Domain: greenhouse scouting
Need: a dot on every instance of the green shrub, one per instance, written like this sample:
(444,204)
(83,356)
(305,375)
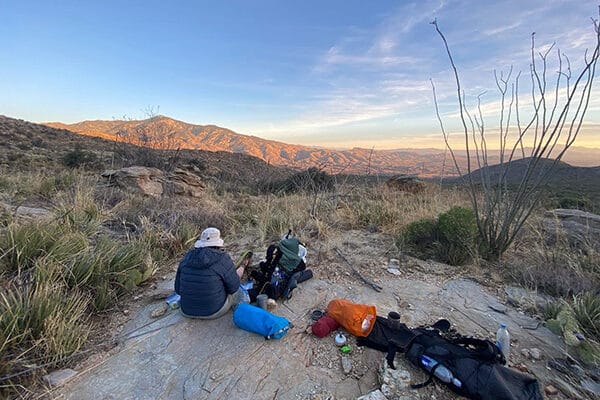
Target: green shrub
(78,158)
(448,239)
(458,231)
(419,238)
(22,244)
(586,308)
(44,318)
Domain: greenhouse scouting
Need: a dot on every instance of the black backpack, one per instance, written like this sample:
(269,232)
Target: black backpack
(476,363)
(285,283)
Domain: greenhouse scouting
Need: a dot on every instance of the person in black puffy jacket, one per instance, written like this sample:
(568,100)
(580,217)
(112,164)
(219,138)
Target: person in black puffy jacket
(206,279)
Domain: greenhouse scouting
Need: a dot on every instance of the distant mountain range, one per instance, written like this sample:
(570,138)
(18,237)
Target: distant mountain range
(424,162)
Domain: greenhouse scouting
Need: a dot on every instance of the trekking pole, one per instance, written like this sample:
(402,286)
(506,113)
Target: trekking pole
(369,282)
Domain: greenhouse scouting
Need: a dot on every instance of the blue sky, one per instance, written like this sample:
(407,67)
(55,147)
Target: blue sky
(330,73)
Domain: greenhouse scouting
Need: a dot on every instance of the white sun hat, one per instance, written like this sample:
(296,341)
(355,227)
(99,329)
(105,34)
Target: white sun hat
(210,237)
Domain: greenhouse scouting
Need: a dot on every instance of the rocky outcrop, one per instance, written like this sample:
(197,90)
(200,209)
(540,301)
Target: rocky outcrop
(184,183)
(580,228)
(406,183)
(154,182)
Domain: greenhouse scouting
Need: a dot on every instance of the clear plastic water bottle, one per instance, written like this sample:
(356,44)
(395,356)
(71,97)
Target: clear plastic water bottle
(441,372)
(503,341)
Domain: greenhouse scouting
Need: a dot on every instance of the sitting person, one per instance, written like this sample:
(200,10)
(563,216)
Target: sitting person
(206,280)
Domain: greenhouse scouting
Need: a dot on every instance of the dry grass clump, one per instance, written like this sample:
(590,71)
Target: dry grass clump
(390,210)
(553,265)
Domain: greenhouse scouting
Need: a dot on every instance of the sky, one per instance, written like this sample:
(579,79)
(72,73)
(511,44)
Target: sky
(327,73)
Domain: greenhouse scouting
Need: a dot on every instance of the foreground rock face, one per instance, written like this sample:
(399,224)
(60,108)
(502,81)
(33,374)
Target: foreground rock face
(179,358)
(154,182)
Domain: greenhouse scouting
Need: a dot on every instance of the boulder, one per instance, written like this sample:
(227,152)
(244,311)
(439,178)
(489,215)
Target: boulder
(184,183)
(580,228)
(154,182)
(406,183)
(144,180)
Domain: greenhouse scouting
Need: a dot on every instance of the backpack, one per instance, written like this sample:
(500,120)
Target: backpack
(477,364)
(255,319)
(282,285)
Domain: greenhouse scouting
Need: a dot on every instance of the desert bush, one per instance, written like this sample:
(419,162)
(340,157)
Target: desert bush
(457,234)
(586,308)
(379,212)
(419,238)
(80,158)
(449,238)
(22,244)
(43,317)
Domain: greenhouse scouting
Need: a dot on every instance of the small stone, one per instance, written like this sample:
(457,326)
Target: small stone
(536,354)
(60,377)
(551,390)
(160,310)
(125,312)
(394,271)
(346,365)
(526,353)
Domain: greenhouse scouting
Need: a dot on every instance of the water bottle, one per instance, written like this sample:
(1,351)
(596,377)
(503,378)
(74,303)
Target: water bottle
(441,372)
(503,341)
(276,277)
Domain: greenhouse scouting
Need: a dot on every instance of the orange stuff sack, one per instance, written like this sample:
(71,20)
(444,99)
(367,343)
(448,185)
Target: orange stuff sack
(357,319)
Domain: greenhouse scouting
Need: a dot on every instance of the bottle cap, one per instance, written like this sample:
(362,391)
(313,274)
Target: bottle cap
(503,325)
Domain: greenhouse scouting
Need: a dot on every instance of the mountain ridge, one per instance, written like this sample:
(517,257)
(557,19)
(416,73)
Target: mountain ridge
(215,138)
(423,162)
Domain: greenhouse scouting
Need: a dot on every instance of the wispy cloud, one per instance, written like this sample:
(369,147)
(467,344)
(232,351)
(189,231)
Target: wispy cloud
(382,73)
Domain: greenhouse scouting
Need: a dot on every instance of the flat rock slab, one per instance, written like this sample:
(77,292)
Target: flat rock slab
(179,358)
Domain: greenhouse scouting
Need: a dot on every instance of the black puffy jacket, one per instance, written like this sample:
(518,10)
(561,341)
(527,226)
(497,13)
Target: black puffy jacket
(204,279)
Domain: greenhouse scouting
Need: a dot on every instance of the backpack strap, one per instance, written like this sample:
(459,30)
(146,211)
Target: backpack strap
(429,379)
(394,347)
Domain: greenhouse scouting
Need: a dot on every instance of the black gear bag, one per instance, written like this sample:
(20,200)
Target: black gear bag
(476,363)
